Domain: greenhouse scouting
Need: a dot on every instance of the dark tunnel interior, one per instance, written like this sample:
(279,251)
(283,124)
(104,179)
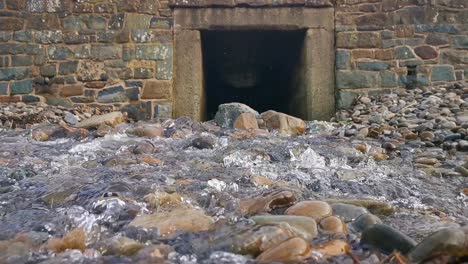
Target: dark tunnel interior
(257,68)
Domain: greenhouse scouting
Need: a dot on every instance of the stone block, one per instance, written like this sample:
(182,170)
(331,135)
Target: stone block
(137,21)
(356,79)
(30,99)
(33,49)
(43,21)
(372,65)
(342,59)
(384,54)
(4,61)
(153,51)
(21,87)
(460,41)
(75,38)
(48,36)
(36,6)
(10,99)
(143,73)
(390,43)
(374,19)
(104,8)
(139,111)
(72,90)
(11,23)
(91,71)
(163,111)
(345,99)
(156,89)
(358,40)
(161,23)
(442,73)
(112,95)
(133,94)
(119,73)
(48,70)
(81,99)
(5,36)
(134,83)
(19,60)
(426,52)
(404,52)
(83,51)
(68,67)
(164,69)
(440,28)
(117,21)
(23,36)
(128,53)
(3,88)
(437,39)
(108,52)
(9,74)
(60,53)
(388,79)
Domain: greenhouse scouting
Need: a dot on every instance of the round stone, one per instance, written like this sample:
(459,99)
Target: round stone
(348,212)
(315,209)
(333,224)
(292,250)
(364,221)
(387,239)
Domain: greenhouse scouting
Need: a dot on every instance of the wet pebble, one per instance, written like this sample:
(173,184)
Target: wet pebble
(315,209)
(348,212)
(387,239)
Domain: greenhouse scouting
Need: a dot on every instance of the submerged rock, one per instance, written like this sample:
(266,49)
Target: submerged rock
(387,239)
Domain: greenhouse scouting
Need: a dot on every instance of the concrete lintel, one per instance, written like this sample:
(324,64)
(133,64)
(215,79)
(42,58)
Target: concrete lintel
(281,18)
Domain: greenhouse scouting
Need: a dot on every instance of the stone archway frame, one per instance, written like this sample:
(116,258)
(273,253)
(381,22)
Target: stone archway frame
(317,83)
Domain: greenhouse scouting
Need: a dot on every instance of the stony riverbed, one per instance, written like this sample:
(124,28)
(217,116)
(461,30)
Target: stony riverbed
(366,188)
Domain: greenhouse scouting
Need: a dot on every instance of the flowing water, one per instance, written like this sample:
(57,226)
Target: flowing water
(99,185)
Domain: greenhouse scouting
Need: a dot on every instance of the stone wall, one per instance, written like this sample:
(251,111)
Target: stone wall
(120,52)
(387,44)
(65,52)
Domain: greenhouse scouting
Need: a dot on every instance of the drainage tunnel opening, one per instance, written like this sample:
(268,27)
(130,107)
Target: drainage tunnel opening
(263,69)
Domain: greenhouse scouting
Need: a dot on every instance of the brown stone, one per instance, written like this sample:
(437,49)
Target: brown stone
(362,53)
(333,224)
(283,123)
(11,23)
(358,40)
(71,90)
(373,19)
(404,31)
(383,54)
(246,121)
(315,209)
(156,89)
(333,248)
(96,84)
(9,99)
(293,250)
(16,4)
(426,52)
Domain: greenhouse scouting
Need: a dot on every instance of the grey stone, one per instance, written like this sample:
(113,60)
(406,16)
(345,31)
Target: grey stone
(460,42)
(437,39)
(33,49)
(228,113)
(68,67)
(345,99)
(163,111)
(5,36)
(30,99)
(442,73)
(48,36)
(161,23)
(21,87)
(75,38)
(18,61)
(112,95)
(448,240)
(3,88)
(404,52)
(23,36)
(153,51)
(139,111)
(364,221)
(342,59)
(373,65)
(441,28)
(49,70)
(60,53)
(8,74)
(164,69)
(143,73)
(356,79)
(348,212)
(110,52)
(70,118)
(388,79)
(133,94)
(387,239)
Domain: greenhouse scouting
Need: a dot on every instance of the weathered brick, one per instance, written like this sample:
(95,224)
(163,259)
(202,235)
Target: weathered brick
(11,23)
(17,61)
(157,90)
(356,79)
(358,40)
(8,74)
(442,73)
(68,67)
(72,90)
(21,87)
